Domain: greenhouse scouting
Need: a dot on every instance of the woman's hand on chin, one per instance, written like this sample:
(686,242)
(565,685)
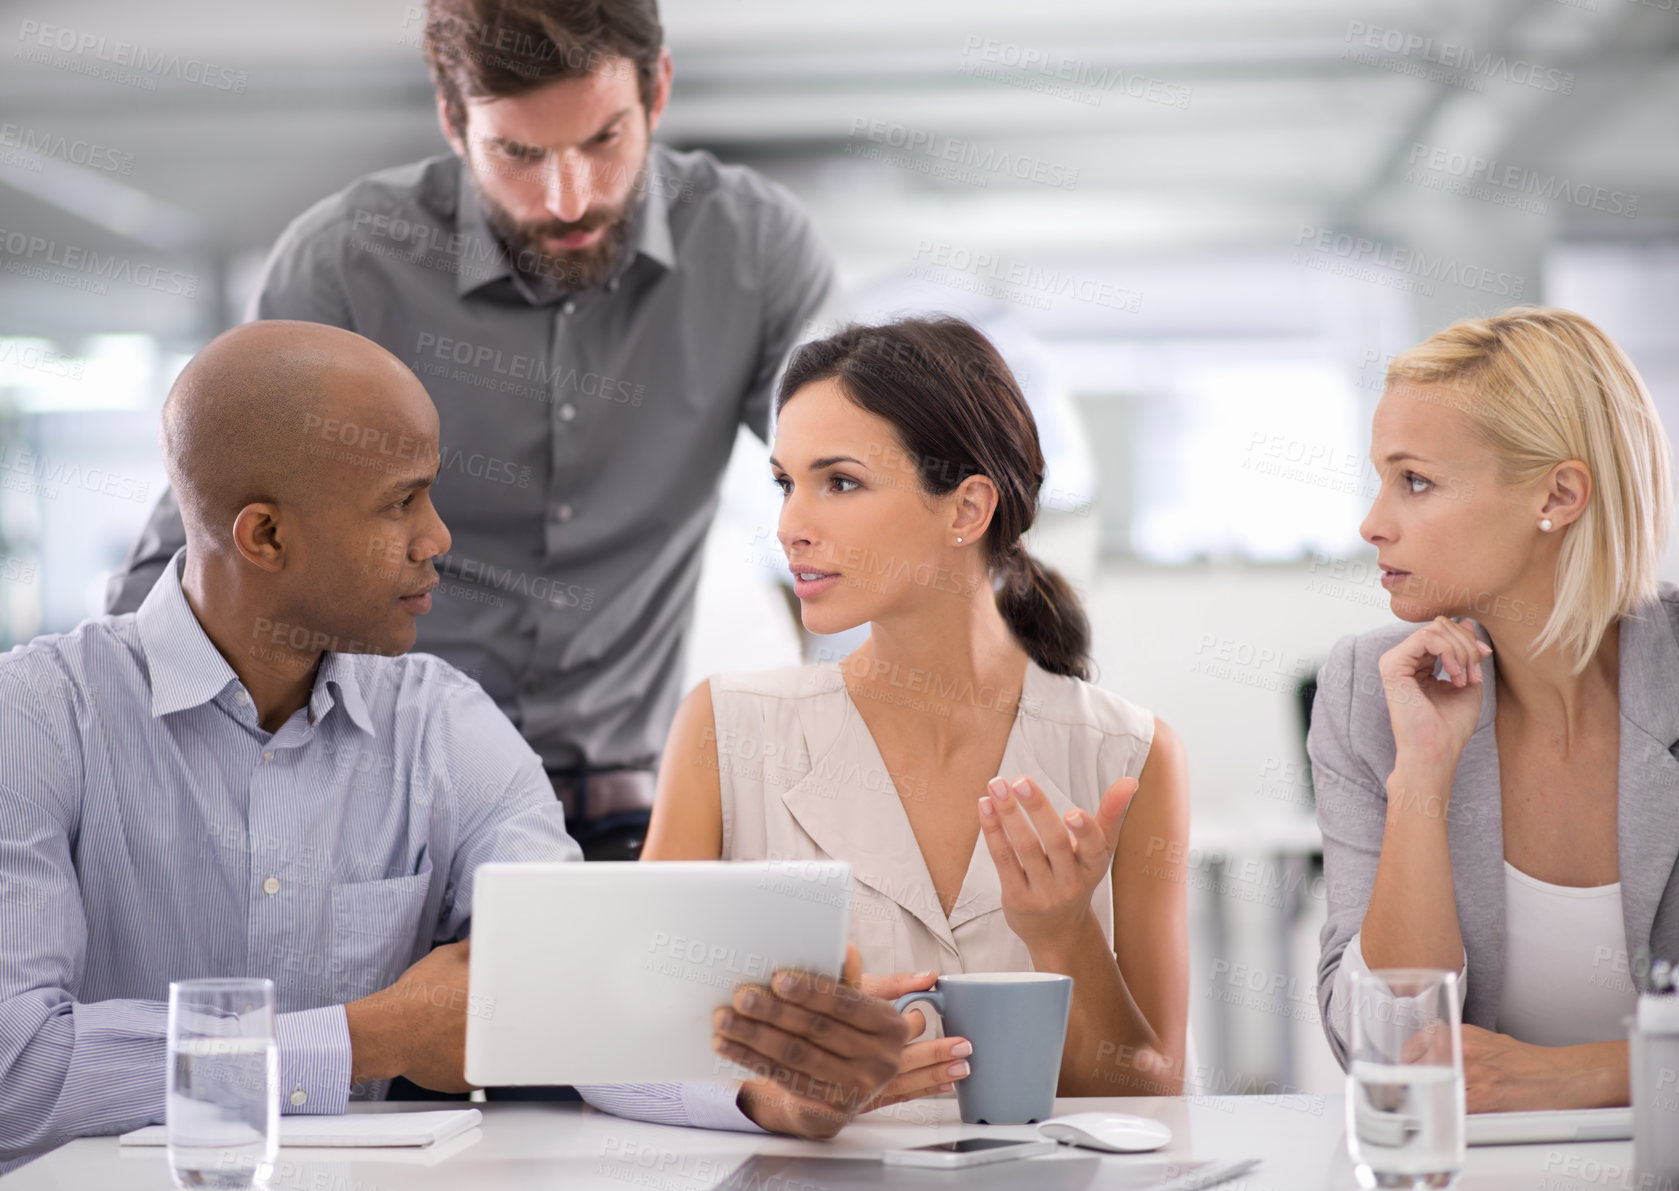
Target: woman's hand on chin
(1049,865)
(1432,720)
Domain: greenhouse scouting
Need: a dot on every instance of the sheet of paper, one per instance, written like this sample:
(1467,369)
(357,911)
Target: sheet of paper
(353,1129)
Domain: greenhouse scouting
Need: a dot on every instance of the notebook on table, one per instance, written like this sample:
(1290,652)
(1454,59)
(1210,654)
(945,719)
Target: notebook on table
(384,1129)
(1574,1124)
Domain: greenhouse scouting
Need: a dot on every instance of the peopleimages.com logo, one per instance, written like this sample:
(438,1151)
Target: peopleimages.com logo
(28,255)
(924,147)
(1445,61)
(1370,259)
(1506,184)
(143,66)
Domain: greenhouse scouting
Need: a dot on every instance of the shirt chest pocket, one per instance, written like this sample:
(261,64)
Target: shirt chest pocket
(376,930)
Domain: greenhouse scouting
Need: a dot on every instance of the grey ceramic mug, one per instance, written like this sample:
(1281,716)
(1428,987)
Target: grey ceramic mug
(1017,1022)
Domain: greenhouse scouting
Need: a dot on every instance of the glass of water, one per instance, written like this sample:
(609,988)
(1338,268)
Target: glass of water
(223,1084)
(1405,1103)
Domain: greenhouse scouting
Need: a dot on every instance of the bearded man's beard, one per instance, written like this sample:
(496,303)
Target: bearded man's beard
(566,270)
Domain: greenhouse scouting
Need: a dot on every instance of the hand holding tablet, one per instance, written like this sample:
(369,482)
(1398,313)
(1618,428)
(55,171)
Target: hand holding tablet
(680,970)
(613,972)
(823,1050)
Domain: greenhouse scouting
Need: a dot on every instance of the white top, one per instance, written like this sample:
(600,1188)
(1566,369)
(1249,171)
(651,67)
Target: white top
(801,779)
(1566,978)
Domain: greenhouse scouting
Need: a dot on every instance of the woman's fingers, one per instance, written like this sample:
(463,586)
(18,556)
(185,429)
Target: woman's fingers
(1110,812)
(1448,647)
(1471,649)
(1025,834)
(1010,876)
(1017,828)
(1096,836)
(928,1068)
(1460,652)
(1047,826)
(1089,845)
(1478,649)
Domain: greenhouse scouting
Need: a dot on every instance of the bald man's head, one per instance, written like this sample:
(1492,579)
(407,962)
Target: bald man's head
(233,425)
(301,456)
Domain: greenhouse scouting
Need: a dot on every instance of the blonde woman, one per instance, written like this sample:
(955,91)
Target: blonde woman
(1518,819)
(1000,812)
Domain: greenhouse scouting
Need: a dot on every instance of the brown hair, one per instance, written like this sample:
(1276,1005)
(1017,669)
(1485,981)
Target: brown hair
(958,412)
(495,49)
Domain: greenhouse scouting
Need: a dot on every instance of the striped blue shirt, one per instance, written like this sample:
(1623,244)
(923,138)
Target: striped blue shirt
(151,830)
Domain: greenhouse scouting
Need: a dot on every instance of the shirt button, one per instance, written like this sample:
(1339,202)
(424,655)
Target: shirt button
(570,307)
(298,1098)
(563,513)
(241,698)
(567,412)
(268,755)
(271,886)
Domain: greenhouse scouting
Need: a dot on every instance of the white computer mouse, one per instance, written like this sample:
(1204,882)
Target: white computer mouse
(1115,1132)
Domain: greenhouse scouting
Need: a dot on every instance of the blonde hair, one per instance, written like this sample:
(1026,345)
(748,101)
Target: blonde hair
(1545,385)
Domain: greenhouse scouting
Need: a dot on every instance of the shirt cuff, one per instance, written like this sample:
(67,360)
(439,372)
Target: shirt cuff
(1340,997)
(717,1106)
(694,1105)
(314,1060)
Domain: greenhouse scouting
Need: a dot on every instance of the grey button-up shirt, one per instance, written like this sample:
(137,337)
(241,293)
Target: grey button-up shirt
(583,435)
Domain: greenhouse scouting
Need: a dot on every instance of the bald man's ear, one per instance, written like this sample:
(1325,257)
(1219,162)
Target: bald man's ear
(256,535)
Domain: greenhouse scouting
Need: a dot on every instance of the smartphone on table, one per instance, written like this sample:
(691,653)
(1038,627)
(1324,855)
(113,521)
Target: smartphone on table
(968,1151)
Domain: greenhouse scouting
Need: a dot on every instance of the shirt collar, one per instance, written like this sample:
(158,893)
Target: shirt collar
(339,672)
(483,260)
(651,233)
(187,670)
(185,666)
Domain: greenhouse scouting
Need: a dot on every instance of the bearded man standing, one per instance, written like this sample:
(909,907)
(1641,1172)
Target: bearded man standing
(593,316)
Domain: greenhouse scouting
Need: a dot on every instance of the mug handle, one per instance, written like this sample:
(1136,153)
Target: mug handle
(932,996)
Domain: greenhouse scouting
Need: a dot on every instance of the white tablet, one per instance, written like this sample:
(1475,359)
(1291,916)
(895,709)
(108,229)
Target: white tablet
(608,972)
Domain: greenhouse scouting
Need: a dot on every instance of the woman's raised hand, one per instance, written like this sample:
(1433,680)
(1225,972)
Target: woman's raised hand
(1049,865)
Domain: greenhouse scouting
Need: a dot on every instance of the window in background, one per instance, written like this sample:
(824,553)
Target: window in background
(1251,450)
(79,471)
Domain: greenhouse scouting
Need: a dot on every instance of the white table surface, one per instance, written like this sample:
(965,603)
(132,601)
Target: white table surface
(555,1145)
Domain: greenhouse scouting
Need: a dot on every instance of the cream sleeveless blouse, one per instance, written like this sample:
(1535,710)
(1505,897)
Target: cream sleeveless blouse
(802,779)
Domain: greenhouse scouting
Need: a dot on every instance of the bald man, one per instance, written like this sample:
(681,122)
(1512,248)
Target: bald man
(248,776)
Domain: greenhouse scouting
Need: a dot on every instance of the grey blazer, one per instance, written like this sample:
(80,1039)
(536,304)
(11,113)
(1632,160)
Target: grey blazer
(1352,752)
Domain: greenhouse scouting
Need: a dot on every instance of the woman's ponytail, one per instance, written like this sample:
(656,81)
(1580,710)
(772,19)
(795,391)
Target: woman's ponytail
(1044,614)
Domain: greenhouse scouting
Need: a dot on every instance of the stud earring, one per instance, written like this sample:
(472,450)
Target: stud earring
(1545,524)
(958,541)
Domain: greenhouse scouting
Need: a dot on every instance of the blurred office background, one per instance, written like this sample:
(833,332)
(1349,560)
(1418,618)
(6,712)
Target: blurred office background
(1198,228)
